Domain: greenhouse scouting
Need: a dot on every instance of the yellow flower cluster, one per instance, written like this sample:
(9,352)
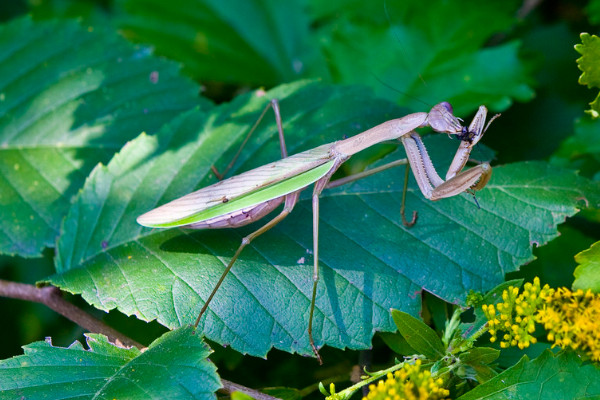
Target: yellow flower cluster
(410,383)
(572,319)
(515,315)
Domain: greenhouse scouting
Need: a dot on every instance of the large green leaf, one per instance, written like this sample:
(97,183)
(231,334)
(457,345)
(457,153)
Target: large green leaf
(258,41)
(428,51)
(173,366)
(546,377)
(64,108)
(369,261)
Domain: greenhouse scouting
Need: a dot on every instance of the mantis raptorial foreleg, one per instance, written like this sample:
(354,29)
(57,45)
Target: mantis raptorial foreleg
(247,197)
(468,140)
(432,186)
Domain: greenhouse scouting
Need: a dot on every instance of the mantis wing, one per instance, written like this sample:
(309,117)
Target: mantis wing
(243,191)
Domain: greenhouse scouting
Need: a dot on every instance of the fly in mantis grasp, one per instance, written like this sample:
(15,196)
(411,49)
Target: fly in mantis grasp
(250,196)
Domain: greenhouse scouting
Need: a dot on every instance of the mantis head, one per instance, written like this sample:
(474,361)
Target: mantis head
(441,119)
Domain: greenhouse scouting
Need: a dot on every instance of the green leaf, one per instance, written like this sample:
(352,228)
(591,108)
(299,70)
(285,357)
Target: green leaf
(546,377)
(512,355)
(240,396)
(369,261)
(419,336)
(256,42)
(478,359)
(582,150)
(484,373)
(63,109)
(494,296)
(396,342)
(479,355)
(173,366)
(587,274)
(555,263)
(429,51)
(589,64)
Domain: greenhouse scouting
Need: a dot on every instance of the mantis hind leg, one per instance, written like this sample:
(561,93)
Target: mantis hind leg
(274,104)
(290,202)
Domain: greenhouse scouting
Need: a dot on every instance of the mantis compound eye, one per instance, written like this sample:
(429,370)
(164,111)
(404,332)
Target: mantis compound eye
(441,119)
(447,106)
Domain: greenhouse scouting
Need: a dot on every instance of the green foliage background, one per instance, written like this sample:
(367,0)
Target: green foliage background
(158,92)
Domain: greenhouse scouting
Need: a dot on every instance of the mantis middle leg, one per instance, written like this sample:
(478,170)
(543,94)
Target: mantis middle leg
(274,104)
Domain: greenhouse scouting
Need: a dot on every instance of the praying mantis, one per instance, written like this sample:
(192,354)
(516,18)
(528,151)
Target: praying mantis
(252,195)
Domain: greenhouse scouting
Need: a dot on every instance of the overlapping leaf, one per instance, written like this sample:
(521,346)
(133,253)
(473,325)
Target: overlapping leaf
(63,108)
(589,64)
(173,366)
(546,377)
(369,261)
(258,42)
(582,150)
(419,336)
(428,51)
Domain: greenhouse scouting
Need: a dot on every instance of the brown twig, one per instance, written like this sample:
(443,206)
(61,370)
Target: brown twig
(51,296)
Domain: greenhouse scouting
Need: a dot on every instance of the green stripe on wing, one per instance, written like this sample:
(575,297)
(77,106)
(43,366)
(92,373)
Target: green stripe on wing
(253,198)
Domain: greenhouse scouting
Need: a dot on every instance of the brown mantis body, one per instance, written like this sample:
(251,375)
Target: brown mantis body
(250,196)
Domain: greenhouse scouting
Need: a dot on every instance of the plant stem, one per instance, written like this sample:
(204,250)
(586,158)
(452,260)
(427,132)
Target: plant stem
(349,391)
(51,296)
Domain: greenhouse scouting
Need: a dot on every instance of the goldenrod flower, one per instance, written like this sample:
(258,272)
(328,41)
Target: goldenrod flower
(515,314)
(410,383)
(572,319)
